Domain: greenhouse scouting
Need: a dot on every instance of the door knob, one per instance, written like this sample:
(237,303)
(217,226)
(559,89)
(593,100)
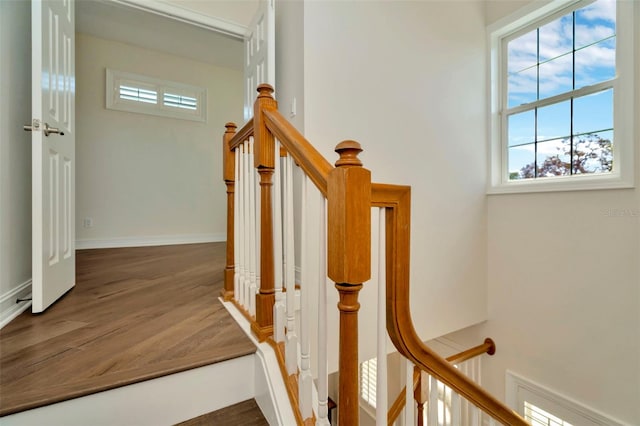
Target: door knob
(35,126)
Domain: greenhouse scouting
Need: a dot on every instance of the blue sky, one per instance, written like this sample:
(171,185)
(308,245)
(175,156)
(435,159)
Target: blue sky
(533,77)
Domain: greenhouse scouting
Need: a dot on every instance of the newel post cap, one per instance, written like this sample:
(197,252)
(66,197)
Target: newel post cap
(265,91)
(231,127)
(348,151)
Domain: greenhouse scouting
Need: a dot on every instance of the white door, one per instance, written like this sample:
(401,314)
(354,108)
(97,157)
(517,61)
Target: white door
(53,151)
(259,54)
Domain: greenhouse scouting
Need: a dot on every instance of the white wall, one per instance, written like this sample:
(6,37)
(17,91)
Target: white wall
(15,155)
(143,178)
(409,84)
(564,290)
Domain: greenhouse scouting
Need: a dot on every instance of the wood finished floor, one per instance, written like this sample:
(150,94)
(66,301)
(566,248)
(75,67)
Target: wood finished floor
(246,413)
(135,314)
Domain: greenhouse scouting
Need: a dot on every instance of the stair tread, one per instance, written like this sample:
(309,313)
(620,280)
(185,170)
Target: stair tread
(246,413)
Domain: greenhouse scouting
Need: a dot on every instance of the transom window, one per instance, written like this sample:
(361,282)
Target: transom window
(138,93)
(559,101)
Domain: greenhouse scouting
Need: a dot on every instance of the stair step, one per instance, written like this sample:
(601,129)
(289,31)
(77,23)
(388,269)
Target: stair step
(246,413)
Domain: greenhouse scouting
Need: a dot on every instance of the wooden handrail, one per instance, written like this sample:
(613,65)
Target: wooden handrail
(241,135)
(400,326)
(304,154)
(349,257)
(488,347)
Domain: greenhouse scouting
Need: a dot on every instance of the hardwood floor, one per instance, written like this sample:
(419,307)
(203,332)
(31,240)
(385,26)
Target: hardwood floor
(135,314)
(246,413)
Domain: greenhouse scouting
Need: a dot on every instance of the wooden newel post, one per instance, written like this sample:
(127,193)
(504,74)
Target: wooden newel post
(229,175)
(349,263)
(264,161)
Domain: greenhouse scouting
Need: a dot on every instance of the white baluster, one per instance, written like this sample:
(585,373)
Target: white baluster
(474,414)
(492,422)
(323,386)
(278,307)
(258,234)
(291,348)
(244,272)
(305,379)
(247,226)
(409,407)
(456,412)
(236,224)
(433,408)
(381,374)
(253,241)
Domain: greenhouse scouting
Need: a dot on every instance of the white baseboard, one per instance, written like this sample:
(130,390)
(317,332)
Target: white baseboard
(146,241)
(9,309)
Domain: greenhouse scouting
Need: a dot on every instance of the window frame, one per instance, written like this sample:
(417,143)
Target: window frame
(527,18)
(115,79)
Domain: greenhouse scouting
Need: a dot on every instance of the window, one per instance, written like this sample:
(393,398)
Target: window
(539,417)
(561,98)
(543,406)
(146,95)
(368,381)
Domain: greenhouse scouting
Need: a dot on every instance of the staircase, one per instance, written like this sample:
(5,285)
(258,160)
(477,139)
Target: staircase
(351,233)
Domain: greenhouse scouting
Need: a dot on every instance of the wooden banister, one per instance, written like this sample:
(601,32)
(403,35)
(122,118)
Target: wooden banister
(228,174)
(264,162)
(349,264)
(241,135)
(488,347)
(350,195)
(312,163)
(397,199)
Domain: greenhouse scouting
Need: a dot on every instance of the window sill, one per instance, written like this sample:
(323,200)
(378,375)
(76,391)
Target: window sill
(558,184)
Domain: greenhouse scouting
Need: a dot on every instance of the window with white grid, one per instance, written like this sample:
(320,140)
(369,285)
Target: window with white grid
(146,95)
(562,90)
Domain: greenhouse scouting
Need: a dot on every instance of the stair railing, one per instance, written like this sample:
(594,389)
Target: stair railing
(260,274)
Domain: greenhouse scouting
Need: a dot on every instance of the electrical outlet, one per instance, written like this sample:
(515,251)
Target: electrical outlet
(88,222)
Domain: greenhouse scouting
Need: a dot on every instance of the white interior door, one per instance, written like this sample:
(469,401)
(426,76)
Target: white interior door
(259,54)
(53,151)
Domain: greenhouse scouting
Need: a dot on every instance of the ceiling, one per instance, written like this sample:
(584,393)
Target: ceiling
(114,21)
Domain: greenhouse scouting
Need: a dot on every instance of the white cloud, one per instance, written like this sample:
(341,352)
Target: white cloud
(593,64)
(602,9)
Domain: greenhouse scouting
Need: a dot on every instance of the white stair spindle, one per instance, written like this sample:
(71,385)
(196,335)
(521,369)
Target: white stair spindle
(492,422)
(474,414)
(323,385)
(456,412)
(258,224)
(305,380)
(278,307)
(253,241)
(236,225)
(247,227)
(432,408)
(409,407)
(244,224)
(291,348)
(381,374)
